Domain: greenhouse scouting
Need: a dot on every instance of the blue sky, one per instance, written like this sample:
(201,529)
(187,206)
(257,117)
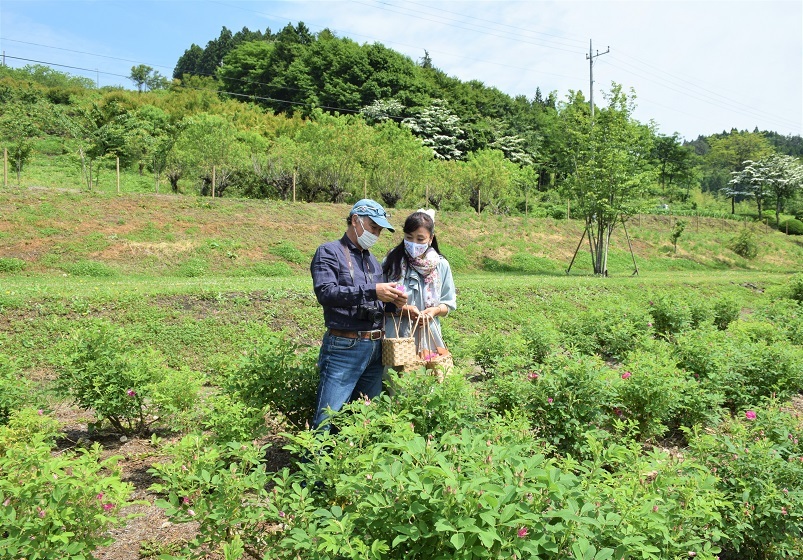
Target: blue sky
(696,67)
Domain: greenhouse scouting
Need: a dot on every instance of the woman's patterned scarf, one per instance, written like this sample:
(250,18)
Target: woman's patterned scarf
(427,266)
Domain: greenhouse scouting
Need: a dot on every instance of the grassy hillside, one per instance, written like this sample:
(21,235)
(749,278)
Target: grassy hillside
(47,231)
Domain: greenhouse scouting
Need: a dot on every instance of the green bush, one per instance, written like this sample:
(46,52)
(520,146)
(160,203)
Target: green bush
(725,310)
(14,388)
(55,505)
(92,269)
(744,244)
(11,264)
(657,396)
(791,227)
(194,267)
(102,371)
(272,269)
(279,374)
(563,399)
(230,419)
(382,489)
(744,371)
(496,351)
(541,338)
(609,330)
(671,314)
(796,288)
(288,252)
(758,459)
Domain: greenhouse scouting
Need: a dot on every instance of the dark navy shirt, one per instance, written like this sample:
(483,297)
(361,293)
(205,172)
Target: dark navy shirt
(338,292)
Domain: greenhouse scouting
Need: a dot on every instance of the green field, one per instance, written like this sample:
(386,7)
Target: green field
(587,418)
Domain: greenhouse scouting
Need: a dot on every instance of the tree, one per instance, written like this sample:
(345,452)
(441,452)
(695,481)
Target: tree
(206,142)
(677,231)
(674,161)
(394,164)
(331,150)
(772,176)
(788,181)
(439,129)
(18,129)
(610,173)
(188,62)
(486,179)
(275,168)
(144,76)
(730,152)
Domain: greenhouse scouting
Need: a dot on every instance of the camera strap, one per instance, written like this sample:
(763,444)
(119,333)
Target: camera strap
(351,266)
(348,261)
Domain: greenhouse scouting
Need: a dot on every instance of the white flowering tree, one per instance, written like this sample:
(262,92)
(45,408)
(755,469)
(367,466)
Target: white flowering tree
(775,177)
(439,129)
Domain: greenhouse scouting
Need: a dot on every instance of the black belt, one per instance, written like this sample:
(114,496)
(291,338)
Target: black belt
(370,335)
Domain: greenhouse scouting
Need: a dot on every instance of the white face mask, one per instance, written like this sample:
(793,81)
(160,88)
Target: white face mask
(415,249)
(367,239)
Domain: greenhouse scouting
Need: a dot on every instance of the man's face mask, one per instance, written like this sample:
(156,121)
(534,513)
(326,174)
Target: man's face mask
(367,239)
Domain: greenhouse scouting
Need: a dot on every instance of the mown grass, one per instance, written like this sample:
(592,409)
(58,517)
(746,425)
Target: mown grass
(187,236)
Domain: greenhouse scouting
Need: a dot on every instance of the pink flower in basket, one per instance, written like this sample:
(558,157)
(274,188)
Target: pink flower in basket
(430,356)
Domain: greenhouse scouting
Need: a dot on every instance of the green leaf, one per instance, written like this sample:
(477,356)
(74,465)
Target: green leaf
(458,540)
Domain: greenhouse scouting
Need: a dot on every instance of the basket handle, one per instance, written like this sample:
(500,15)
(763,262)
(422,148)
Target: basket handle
(397,325)
(428,338)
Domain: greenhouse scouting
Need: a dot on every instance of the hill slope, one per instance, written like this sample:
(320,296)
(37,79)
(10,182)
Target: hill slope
(53,231)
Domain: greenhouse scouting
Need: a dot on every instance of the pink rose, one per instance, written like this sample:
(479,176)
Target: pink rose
(750,415)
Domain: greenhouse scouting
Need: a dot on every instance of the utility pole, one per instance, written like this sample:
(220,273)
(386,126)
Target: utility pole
(590,57)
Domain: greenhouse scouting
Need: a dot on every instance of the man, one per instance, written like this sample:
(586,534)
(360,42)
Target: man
(348,284)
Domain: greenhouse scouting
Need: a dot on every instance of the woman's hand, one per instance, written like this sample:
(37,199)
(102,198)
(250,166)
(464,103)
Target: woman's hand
(431,312)
(410,310)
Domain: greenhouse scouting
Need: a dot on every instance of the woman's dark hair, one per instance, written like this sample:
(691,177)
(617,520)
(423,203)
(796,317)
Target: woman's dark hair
(392,267)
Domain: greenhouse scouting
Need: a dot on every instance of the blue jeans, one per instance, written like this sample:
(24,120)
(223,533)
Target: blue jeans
(349,368)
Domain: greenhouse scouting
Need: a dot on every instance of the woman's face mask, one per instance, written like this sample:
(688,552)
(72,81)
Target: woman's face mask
(415,250)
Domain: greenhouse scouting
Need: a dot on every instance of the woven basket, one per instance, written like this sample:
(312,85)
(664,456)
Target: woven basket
(397,352)
(439,361)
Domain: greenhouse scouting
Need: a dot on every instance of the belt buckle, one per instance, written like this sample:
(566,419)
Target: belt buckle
(375,334)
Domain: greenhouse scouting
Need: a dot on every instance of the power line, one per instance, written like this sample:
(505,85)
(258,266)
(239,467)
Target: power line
(506,36)
(730,106)
(579,42)
(692,84)
(81,52)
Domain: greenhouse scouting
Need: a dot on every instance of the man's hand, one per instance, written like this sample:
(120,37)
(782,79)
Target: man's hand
(389,293)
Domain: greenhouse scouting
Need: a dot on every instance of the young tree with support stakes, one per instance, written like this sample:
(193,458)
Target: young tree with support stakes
(610,156)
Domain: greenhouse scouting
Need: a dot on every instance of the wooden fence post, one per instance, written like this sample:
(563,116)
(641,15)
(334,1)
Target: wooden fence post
(118,174)
(294,185)
(213,181)
(5,167)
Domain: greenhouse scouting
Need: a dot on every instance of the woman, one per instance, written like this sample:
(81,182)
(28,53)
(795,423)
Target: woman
(416,264)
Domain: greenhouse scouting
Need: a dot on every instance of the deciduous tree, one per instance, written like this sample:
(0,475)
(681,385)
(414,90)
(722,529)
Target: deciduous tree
(610,173)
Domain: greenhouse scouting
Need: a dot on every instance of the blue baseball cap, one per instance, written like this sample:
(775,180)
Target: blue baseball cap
(373,210)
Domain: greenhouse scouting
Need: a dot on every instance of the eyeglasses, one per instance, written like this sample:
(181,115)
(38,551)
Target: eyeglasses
(369,211)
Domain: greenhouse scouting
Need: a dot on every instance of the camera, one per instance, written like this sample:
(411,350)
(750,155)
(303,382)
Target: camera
(370,313)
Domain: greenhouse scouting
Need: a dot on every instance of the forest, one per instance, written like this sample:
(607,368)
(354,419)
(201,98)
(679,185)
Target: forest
(304,116)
